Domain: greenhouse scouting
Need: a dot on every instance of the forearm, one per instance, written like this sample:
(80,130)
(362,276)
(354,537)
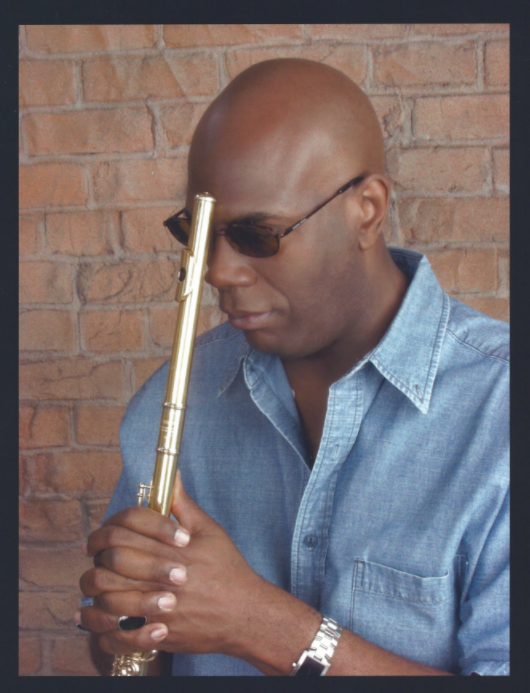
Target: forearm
(283,627)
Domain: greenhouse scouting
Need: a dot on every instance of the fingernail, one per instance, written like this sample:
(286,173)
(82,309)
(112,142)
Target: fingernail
(166,603)
(158,633)
(182,537)
(177,575)
(77,618)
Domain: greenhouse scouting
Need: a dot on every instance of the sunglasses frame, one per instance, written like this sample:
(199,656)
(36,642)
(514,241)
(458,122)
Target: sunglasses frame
(225,231)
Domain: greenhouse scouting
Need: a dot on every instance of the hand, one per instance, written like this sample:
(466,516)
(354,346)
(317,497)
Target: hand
(190,580)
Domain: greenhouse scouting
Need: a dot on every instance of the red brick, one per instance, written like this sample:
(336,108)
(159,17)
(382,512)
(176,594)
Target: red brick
(348,59)
(98,425)
(29,241)
(462,117)
(144,368)
(96,511)
(497,64)
(144,231)
(50,520)
(438,169)
(138,181)
(196,73)
(23,485)
(29,661)
(454,29)
(503,257)
(465,270)
(162,323)
(361,32)
(122,79)
(89,132)
(180,35)
(81,233)
(238,60)
(76,378)
(52,185)
(422,63)
(501,170)
(125,282)
(55,568)
(498,308)
(392,115)
(178,122)
(106,331)
(46,83)
(454,219)
(43,426)
(48,610)
(47,330)
(45,282)
(64,38)
(79,471)
(71,657)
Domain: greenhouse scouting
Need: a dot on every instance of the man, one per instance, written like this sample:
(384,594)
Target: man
(347,428)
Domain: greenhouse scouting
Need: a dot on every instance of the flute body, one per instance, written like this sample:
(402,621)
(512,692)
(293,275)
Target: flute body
(159,492)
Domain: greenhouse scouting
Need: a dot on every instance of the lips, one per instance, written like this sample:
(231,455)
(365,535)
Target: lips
(248,321)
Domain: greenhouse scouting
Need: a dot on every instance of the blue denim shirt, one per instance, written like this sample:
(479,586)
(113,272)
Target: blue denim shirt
(400,530)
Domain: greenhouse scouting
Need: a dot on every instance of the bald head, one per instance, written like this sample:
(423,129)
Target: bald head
(286,118)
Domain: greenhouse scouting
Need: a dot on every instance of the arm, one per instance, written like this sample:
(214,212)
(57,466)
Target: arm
(136,550)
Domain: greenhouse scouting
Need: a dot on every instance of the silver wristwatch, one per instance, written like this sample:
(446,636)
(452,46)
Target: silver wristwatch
(317,659)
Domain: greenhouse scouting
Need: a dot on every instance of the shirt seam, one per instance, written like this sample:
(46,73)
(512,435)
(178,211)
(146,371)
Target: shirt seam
(214,341)
(477,350)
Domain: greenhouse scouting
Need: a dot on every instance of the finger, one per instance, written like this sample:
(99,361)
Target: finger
(96,581)
(138,603)
(187,512)
(137,565)
(142,640)
(110,536)
(96,620)
(150,524)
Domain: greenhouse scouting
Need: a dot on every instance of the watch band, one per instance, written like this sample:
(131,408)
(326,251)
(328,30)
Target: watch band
(316,660)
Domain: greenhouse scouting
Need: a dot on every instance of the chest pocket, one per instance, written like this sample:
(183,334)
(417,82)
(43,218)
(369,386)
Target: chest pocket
(412,616)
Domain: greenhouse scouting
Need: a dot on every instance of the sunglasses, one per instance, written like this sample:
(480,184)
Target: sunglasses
(253,240)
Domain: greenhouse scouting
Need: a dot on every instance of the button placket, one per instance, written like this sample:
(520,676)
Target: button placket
(312,528)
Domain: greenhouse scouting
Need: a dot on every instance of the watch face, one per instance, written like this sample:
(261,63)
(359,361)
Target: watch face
(310,667)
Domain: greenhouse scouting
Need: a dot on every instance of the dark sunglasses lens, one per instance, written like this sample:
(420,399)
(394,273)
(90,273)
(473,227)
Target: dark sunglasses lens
(253,240)
(179,228)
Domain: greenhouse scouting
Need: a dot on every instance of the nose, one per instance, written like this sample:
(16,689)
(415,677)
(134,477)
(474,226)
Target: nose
(227,267)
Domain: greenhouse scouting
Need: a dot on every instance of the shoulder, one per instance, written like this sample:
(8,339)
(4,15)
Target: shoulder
(473,331)
(222,338)
(215,352)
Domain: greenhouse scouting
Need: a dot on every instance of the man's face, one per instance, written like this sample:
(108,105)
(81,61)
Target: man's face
(305,297)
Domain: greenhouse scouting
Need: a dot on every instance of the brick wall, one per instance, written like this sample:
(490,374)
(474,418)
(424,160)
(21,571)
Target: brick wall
(106,117)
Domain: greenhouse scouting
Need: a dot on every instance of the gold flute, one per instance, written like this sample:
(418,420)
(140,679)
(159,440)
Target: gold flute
(159,492)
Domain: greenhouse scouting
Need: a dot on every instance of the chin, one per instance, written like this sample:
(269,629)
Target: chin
(285,348)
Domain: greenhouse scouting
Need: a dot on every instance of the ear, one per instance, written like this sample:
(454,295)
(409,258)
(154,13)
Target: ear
(374,202)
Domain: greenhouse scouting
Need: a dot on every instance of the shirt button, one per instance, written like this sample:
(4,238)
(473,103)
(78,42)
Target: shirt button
(310,540)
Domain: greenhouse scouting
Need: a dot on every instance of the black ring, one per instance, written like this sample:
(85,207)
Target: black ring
(131,622)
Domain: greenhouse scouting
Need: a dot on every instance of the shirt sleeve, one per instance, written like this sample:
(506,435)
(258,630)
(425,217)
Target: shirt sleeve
(484,636)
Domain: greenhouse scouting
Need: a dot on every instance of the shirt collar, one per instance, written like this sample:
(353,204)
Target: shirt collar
(408,354)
